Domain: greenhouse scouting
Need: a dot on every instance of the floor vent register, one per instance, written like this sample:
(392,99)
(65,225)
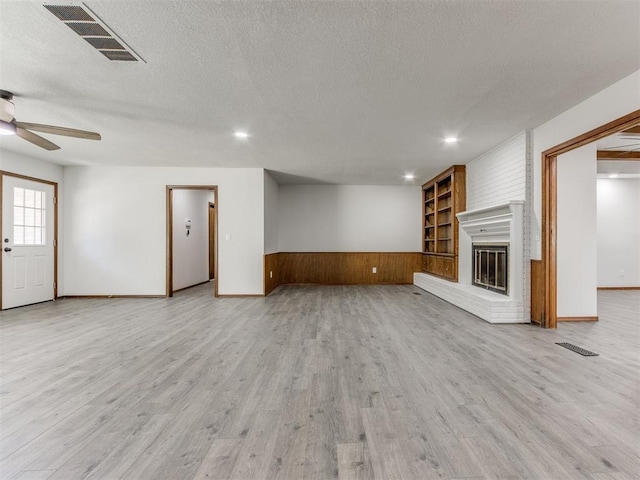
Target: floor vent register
(581,351)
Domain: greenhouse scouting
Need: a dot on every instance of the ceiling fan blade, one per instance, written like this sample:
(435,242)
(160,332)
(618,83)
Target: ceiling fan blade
(68,132)
(35,139)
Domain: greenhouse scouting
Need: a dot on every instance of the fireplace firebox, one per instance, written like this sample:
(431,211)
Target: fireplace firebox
(490,267)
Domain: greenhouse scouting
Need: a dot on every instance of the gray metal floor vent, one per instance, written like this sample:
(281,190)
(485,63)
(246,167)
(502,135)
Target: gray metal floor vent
(573,348)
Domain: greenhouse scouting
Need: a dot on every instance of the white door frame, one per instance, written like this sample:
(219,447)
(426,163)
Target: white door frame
(55,225)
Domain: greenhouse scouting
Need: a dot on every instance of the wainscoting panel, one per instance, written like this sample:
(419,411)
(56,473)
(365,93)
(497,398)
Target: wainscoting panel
(537,291)
(271,272)
(341,268)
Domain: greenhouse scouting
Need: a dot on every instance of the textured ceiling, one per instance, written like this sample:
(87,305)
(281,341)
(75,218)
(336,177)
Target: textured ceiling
(330,91)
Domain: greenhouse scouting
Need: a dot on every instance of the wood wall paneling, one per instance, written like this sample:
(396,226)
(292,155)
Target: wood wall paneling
(445,266)
(271,272)
(537,291)
(345,268)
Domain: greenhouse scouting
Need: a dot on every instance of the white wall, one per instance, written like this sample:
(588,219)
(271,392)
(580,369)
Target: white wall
(32,167)
(619,232)
(607,105)
(499,175)
(115,228)
(190,252)
(271,193)
(349,218)
(577,233)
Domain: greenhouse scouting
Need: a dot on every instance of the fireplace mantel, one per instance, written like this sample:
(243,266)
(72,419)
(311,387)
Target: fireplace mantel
(495,222)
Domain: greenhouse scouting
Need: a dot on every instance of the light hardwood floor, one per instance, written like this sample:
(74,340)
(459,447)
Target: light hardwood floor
(370,382)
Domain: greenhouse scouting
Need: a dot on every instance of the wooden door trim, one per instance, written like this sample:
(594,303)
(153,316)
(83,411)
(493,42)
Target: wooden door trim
(550,204)
(55,225)
(169,230)
(215,237)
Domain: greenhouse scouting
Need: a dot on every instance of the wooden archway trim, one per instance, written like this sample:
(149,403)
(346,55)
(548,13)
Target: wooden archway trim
(549,206)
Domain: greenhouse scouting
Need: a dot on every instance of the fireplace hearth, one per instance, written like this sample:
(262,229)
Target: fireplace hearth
(490,267)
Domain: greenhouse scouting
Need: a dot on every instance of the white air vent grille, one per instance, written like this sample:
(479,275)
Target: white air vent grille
(85,23)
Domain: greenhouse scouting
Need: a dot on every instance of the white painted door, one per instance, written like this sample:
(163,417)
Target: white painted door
(27,242)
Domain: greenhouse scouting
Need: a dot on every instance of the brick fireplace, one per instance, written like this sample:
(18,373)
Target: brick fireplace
(496,236)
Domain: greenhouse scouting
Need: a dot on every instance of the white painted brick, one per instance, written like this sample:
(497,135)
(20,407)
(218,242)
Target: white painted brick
(489,306)
(499,175)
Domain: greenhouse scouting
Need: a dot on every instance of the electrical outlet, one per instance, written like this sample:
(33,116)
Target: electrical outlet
(270,274)
(374,270)
(227,236)
(622,273)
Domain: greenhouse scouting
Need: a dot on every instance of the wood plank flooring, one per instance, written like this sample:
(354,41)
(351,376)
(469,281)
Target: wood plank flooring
(356,382)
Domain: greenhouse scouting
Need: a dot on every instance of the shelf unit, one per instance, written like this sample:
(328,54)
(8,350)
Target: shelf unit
(443,197)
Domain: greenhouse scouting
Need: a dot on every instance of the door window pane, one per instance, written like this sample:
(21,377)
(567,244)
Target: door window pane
(29,236)
(29,217)
(29,198)
(18,197)
(18,235)
(18,215)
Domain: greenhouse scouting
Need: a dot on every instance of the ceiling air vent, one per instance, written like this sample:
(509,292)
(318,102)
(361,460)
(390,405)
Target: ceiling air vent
(85,23)
(121,55)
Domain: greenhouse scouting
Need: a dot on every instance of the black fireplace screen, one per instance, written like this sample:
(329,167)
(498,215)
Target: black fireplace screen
(490,268)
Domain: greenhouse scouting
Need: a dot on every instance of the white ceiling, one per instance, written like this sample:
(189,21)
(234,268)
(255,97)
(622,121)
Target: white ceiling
(330,91)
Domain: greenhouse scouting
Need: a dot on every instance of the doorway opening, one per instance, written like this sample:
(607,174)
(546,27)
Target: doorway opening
(192,243)
(29,257)
(549,208)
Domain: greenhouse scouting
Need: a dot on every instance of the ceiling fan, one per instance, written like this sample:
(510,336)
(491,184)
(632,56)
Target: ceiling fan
(9,126)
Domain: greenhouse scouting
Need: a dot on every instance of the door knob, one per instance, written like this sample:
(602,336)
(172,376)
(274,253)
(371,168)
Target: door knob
(7,249)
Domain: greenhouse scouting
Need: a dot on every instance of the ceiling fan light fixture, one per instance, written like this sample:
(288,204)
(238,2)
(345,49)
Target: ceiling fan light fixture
(7,128)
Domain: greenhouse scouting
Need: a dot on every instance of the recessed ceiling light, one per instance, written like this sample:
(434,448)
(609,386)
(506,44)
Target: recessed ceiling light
(450,139)
(409,176)
(613,175)
(241,134)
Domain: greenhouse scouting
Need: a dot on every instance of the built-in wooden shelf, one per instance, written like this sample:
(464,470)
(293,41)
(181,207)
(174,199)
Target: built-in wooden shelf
(443,197)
